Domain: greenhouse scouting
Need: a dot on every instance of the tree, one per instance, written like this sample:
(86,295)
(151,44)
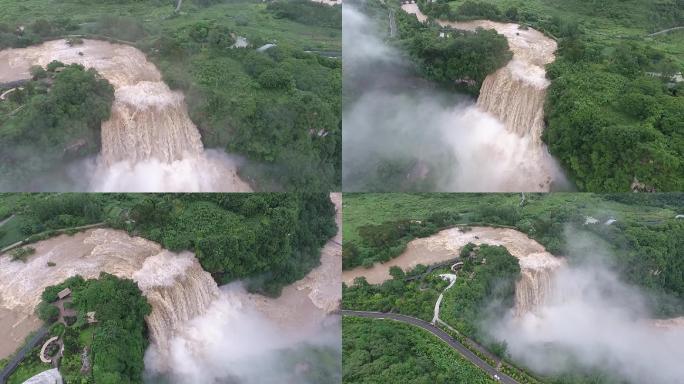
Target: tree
(47,312)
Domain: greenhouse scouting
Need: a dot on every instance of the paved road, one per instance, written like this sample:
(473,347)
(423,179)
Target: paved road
(454,344)
(3,222)
(21,355)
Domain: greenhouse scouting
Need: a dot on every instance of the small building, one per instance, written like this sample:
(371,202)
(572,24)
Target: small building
(90,317)
(66,292)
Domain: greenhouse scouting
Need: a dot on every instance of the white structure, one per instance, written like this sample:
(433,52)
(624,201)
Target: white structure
(590,220)
(265,47)
(50,376)
(64,293)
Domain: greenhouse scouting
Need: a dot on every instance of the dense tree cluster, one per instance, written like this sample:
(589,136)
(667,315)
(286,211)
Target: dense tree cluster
(460,59)
(302,11)
(382,351)
(612,120)
(402,294)
(55,118)
(118,340)
(488,276)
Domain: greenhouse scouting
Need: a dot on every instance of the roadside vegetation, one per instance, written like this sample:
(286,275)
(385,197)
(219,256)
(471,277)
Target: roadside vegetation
(279,107)
(383,351)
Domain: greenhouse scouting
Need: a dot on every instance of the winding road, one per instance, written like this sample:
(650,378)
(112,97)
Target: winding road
(454,344)
(665,31)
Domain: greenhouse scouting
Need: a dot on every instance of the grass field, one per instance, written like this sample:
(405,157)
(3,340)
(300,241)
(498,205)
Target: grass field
(373,209)
(608,21)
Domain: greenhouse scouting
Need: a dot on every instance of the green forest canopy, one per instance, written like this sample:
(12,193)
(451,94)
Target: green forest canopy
(55,118)
(384,351)
(118,340)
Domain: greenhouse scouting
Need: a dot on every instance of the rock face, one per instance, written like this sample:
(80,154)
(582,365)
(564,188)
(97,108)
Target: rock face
(149,130)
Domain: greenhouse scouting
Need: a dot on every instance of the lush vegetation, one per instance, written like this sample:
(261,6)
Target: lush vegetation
(488,276)
(279,107)
(51,120)
(272,239)
(115,344)
(459,59)
(383,351)
(646,236)
(409,293)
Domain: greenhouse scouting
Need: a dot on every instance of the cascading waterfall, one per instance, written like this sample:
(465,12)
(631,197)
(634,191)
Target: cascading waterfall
(514,95)
(515,102)
(532,290)
(175,285)
(178,289)
(149,121)
(149,143)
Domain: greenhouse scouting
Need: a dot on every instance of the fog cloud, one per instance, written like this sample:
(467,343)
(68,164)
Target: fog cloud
(594,320)
(235,343)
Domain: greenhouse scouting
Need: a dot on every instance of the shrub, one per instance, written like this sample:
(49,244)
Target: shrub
(22,253)
(37,72)
(47,312)
(275,78)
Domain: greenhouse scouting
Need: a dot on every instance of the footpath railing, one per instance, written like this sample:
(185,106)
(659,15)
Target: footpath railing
(21,355)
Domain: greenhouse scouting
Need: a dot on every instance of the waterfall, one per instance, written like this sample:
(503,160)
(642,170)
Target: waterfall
(149,143)
(532,290)
(178,289)
(175,285)
(517,103)
(149,121)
